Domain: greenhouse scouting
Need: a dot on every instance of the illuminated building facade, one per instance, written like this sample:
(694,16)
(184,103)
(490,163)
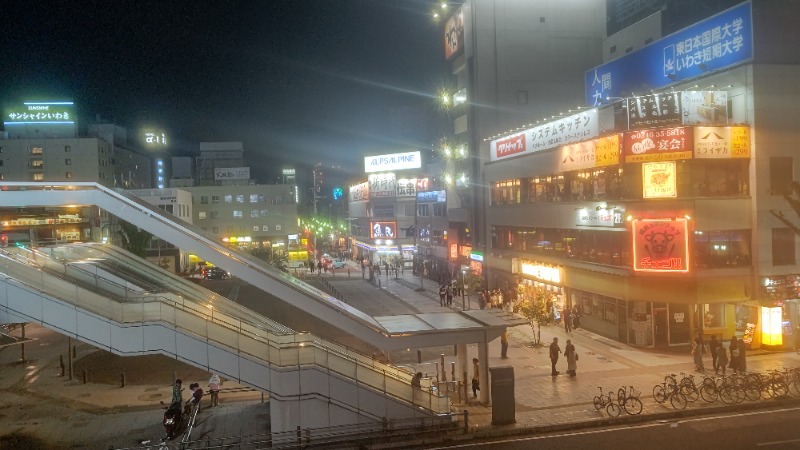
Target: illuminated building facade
(667,205)
(246,216)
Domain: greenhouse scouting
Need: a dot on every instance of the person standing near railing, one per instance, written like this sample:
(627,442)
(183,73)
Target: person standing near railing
(213,388)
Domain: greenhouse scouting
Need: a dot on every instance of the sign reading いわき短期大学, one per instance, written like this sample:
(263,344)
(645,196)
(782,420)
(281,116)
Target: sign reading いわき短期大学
(721,41)
(394,161)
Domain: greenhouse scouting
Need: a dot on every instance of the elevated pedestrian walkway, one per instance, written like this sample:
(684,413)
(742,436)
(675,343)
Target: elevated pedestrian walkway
(102,296)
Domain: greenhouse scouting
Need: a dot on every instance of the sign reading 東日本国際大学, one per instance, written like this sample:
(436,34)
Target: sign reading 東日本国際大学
(394,161)
(718,42)
(40,113)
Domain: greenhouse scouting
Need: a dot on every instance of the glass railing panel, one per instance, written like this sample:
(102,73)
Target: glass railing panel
(257,349)
(223,335)
(306,354)
(395,388)
(342,365)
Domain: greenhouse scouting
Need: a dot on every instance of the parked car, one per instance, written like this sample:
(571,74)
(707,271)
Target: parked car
(215,273)
(338,264)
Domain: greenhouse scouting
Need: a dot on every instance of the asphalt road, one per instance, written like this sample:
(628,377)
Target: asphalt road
(764,429)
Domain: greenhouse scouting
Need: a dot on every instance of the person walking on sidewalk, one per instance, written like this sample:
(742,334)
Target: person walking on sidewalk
(476,378)
(504,345)
(572,358)
(734,348)
(555,350)
(449,293)
(713,347)
(697,352)
(722,359)
(442,293)
(567,320)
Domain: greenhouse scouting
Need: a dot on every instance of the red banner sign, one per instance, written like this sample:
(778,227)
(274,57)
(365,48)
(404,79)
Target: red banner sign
(662,144)
(661,245)
(510,146)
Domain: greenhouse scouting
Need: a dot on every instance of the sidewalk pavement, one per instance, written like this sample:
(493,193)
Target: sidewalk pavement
(100,413)
(542,400)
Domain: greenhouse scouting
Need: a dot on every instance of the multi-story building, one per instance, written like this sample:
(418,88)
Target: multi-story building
(246,216)
(41,143)
(221,163)
(668,206)
(513,63)
(382,209)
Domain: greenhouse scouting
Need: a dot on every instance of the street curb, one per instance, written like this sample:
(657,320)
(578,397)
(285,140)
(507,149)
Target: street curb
(502,431)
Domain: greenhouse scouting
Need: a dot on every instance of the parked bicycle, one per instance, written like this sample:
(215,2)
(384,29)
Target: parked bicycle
(628,399)
(605,401)
(670,390)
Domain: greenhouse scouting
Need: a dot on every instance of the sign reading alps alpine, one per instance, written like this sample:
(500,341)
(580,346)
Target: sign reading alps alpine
(393,161)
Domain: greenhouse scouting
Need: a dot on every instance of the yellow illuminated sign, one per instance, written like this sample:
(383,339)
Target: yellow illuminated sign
(771,328)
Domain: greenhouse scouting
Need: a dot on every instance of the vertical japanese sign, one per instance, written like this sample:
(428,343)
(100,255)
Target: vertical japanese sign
(721,142)
(661,245)
(454,34)
(359,192)
(382,185)
(658,180)
(719,42)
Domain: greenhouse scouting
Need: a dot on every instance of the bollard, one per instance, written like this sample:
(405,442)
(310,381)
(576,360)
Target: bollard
(453,370)
(419,356)
(61,363)
(444,369)
(122,379)
(85,376)
(466,421)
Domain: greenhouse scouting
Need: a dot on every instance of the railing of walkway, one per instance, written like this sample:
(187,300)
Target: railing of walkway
(218,322)
(383,432)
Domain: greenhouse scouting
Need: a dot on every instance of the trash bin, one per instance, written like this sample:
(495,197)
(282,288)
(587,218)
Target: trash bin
(503,405)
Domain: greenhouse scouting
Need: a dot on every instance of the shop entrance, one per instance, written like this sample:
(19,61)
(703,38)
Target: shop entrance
(660,327)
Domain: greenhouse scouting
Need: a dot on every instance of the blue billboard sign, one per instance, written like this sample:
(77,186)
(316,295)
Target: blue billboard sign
(432,197)
(718,42)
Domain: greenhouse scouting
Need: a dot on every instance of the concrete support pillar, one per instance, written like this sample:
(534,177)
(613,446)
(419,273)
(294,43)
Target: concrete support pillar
(463,370)
(483,364)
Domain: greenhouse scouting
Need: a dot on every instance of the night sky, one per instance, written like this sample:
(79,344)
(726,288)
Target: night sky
(297,81)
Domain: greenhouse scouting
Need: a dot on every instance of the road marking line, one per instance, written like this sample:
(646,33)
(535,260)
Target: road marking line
(764,444)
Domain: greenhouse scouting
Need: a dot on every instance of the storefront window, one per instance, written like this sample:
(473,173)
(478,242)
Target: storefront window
(610,312)
(602,247)
(729,248)
(714,315)
(506,192)
(640,331)
(746,321)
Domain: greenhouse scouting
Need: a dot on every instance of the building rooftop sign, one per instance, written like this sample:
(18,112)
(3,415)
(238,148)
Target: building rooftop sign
(719,42)
(40,113)
(394,161)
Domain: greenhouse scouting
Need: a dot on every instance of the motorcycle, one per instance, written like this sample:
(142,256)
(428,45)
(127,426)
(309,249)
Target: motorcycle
(173,417)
